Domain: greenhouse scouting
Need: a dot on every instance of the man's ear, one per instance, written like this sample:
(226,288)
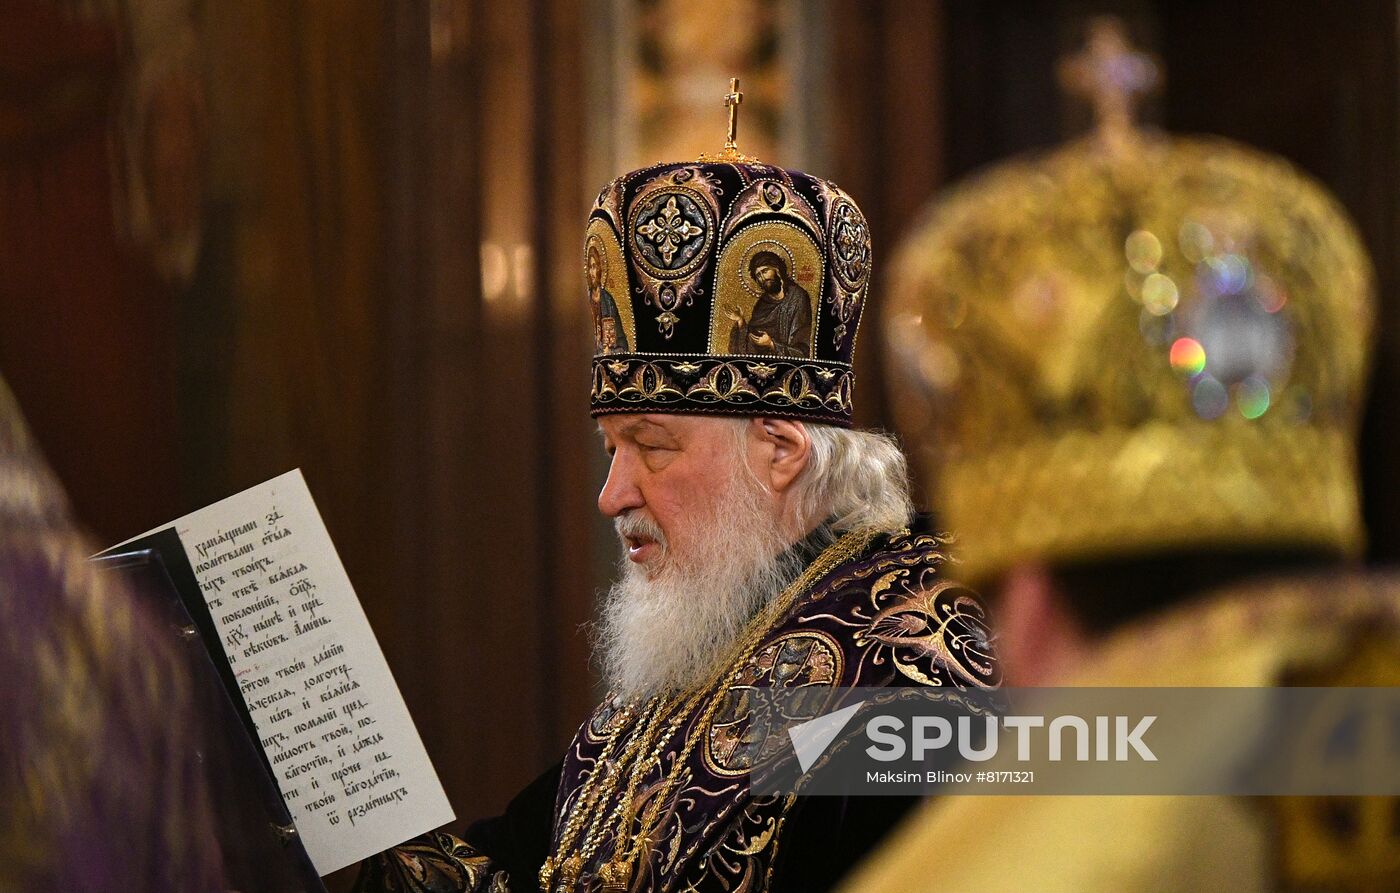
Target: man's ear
(792,449)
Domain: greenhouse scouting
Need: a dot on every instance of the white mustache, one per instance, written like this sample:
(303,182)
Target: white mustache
(633,524)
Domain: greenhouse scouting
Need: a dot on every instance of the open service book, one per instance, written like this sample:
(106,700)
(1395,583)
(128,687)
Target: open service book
(300,654)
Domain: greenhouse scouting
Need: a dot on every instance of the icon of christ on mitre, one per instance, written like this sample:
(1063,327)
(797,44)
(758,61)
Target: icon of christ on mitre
(767,543)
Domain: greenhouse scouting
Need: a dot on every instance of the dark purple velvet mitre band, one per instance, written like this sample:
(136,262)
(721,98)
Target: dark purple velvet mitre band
(732,288)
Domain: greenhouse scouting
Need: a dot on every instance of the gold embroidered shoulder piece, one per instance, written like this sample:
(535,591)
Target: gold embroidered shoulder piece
(436,862)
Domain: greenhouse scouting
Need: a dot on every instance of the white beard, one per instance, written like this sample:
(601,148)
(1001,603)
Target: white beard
(667,633)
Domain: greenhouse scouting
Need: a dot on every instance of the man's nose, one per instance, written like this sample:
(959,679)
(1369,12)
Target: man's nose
(620,491)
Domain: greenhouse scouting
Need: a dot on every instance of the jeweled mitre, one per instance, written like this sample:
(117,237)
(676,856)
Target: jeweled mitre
(728,287)
(1103,352)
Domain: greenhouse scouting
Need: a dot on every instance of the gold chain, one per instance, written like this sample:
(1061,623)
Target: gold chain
(592,800)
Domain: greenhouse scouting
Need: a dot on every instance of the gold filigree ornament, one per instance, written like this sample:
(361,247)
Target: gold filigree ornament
(783,385)
(1134,342)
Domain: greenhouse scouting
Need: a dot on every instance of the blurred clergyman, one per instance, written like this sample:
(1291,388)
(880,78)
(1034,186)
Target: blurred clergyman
(1135,369)
(101,787)
(764,540)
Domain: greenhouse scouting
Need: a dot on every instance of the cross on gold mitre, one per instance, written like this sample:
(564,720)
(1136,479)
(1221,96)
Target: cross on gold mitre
(1110,74)
(731,101)
(731,152)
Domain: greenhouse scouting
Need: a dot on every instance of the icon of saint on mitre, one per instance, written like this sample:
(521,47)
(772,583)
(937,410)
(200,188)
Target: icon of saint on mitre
(781,320)
(608,333)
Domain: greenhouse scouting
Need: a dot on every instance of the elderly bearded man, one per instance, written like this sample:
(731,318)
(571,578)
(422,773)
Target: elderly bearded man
(767,546)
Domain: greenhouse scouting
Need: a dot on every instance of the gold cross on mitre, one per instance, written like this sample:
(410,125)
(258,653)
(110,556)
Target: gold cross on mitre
(731,101)
(1112,76)
(731,152)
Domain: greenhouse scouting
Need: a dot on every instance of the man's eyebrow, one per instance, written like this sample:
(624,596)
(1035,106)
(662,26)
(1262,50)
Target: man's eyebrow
(631,429)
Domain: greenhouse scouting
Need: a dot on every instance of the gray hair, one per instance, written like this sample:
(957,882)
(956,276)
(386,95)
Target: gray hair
(857,479)
(860,479)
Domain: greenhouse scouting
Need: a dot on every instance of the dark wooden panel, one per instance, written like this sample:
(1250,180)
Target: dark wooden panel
(492,367)
(887,144)
(85,322)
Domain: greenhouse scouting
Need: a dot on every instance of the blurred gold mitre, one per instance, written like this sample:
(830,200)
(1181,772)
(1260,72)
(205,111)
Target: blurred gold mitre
(1123,348)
